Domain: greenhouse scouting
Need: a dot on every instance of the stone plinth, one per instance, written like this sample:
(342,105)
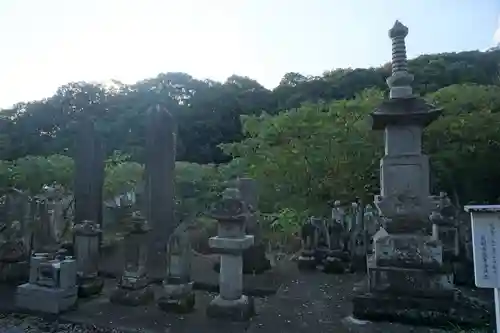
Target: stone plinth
(230,243)
(86,248)
(52,285)
(133,287)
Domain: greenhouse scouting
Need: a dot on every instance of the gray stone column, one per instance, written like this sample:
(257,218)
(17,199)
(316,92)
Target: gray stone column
(159,187)
(89,174)
(231,241)
(86,247)
(133,287)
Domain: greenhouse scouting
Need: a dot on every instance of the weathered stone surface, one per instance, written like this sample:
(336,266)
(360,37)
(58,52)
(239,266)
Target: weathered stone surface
(45,299)
(419,310)
(14,272)
(52,285)
(230,243)
(408,251)
(178,298)
(177,293)
(89,174)
(86,247)
(89,287)
(159,184)
(410,281)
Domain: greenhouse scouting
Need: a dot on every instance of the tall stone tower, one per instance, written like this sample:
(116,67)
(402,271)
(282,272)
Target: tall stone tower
(407,279)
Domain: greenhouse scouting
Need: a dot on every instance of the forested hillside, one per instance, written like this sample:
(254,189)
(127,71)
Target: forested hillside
(307,141)
(207,112)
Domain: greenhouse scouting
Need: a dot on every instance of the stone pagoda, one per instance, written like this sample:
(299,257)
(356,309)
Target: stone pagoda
(407,279)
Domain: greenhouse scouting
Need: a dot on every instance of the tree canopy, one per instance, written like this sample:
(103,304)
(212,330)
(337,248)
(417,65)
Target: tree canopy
(307,140)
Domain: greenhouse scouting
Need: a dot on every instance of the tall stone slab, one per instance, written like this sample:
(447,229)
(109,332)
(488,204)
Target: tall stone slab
(254,258)
(89,174)
(159,187)
(407,278)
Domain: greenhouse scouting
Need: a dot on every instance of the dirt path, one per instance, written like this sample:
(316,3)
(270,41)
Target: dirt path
(305,303)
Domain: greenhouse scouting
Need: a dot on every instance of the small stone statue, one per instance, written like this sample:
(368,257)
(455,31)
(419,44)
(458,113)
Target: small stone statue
(309,236)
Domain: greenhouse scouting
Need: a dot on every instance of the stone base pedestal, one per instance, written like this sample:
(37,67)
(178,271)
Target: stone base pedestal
(432,283)
(16,272)
(90,286)
(236,310)
(419,310)
(33,297)
(177,298)
(132,297)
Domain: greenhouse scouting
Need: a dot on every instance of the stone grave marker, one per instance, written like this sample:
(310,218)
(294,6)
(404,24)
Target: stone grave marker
(177,294)
(159,187)
(89,174)
(86,248)
(133,287)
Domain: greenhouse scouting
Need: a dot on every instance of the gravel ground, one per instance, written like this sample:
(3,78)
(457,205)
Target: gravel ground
(15,323)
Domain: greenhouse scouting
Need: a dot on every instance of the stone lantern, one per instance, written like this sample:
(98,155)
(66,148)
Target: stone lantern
(133,287)
(230,242)
(86,241)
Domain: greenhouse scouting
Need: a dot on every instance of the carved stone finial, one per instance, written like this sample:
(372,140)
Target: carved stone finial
(400,81)
(398,30)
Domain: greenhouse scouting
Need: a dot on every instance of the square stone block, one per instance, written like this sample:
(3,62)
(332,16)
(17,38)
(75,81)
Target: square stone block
(410,281)
(409,251)
(43,299)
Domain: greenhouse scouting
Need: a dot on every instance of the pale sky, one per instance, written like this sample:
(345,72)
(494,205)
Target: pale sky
(47,43)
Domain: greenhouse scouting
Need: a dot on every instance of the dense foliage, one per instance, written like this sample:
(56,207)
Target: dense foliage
(307,141)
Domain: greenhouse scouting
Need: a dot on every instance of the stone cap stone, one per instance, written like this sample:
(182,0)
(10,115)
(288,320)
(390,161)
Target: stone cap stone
(482,208)
(230,209)
(404,111)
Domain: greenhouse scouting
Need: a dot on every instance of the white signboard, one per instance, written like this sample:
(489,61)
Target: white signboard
(486,245)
